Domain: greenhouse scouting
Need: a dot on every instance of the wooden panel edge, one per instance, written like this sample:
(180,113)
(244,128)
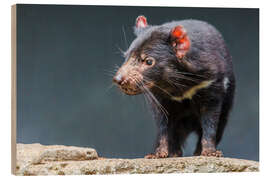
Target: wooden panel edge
(13,87)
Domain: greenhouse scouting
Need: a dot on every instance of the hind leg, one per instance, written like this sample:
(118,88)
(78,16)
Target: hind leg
(209,123)
(215,120)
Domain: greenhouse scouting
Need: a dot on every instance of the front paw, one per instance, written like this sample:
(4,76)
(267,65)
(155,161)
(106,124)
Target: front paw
(162,154)
(150,156)
(212,153)
(157,155)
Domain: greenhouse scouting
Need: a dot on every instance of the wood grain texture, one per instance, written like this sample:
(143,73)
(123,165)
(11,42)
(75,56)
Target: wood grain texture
(13,86)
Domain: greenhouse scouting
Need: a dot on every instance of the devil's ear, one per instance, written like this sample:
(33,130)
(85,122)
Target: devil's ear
(140,24)
(179,41)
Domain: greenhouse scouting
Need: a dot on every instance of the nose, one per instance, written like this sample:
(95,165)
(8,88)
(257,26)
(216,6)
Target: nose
(118,78)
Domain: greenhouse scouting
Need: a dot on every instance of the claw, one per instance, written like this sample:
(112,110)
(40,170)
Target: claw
(210,153)
(157,155)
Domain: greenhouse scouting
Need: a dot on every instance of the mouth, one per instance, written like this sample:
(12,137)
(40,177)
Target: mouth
(130,91)
(135,89)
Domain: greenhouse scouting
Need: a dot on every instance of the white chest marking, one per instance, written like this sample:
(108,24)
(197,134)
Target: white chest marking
(226,83)
(192,91)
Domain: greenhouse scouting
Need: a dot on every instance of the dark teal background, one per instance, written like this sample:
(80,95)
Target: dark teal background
(65,53)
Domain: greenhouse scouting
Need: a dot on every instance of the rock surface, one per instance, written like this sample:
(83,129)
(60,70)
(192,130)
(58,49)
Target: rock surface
(36,159)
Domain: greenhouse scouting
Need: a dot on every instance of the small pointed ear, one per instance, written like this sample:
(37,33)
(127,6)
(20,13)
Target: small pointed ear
(179,41)
(140,24)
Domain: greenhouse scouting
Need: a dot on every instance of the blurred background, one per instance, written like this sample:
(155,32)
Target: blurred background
(65,56)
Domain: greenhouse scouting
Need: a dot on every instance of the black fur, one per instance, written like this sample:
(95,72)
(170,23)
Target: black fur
(208,110)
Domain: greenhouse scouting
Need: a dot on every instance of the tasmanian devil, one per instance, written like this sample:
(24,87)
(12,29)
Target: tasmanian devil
(185,72)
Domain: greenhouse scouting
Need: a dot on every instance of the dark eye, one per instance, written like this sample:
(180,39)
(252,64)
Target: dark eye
(149,62)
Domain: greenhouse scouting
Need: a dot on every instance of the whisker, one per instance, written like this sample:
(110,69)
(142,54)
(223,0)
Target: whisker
(109,73)
(174,83)
(109,88)
(123,29)
(184,77)
(144,96)
(159,88)
(122,52)
(152,98)
(165,112)
(188,73)
(116,66)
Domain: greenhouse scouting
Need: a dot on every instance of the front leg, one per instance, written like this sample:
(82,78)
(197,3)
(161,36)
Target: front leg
(161,151)
(161,145)
(209,122)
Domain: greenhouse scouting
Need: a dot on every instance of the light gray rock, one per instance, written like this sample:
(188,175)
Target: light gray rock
(36,159)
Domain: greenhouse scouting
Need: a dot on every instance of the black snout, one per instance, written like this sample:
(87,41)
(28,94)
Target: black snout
(118,79)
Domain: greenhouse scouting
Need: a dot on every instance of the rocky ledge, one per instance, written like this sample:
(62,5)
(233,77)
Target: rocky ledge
(36,159)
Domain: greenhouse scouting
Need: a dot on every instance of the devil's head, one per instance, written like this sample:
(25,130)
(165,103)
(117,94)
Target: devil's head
(154,59)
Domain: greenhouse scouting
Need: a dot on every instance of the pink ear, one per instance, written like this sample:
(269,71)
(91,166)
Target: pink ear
(180,41)
(141,22)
